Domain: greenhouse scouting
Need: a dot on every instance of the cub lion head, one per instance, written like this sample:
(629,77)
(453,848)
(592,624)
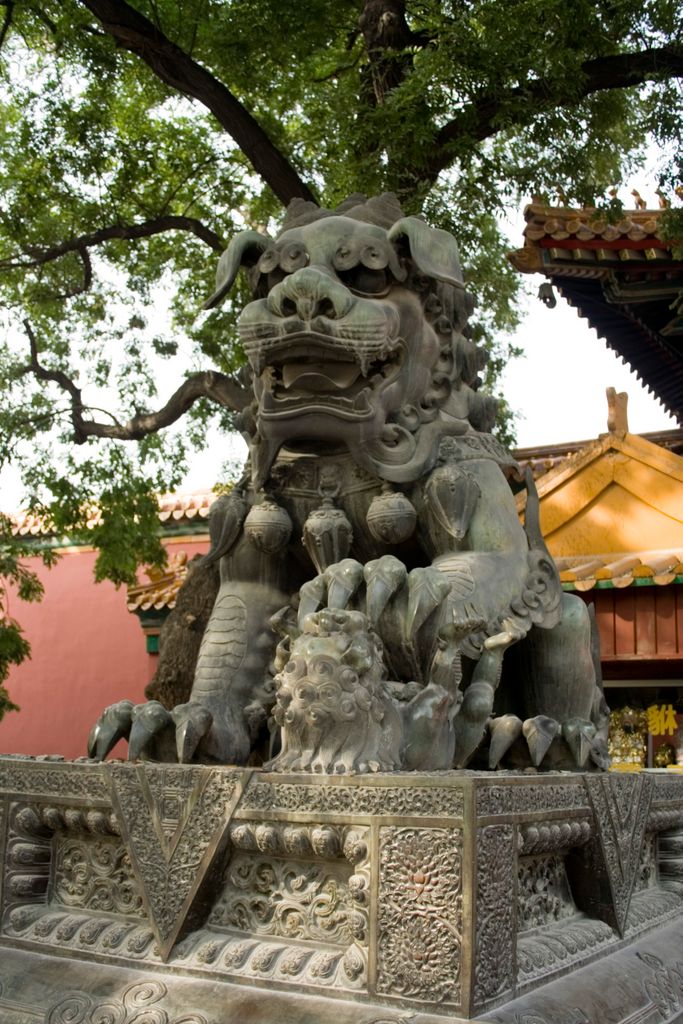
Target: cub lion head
(333,706)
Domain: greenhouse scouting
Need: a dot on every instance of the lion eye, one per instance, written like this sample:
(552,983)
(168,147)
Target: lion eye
(345,258)
(269,261)
(293,257)
(375,257)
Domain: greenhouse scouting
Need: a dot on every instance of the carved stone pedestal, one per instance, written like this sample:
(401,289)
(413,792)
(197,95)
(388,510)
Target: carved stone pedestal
(222,895)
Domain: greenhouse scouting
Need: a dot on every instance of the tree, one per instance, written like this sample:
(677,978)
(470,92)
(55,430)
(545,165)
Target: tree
(136,137)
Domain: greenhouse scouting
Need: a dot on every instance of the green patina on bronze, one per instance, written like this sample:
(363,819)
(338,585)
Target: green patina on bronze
(380,605)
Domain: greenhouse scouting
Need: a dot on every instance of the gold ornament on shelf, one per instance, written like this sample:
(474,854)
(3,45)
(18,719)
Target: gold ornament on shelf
(628,738)
(666,755)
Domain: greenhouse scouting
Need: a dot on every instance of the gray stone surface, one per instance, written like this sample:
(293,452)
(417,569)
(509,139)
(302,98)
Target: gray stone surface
(641,984)
(459,895)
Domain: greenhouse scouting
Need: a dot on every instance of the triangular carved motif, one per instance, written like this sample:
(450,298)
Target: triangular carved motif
(172,792)
(621,805)
(174,822)
(623,793)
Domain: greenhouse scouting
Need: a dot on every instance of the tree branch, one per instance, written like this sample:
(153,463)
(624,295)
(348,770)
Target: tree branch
(60,378)
(132,31)
(85,284)
(479,120)
(7,20)
(43,18)
(35,257)
(205,384)
(387,38)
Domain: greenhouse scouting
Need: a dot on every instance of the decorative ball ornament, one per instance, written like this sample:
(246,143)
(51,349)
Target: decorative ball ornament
(268,526)
(327,535)
(391,517)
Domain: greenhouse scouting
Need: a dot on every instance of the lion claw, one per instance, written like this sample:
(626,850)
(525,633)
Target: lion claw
(343,580)
(539,733)
(193,722)
(114,724)
(151,723)
(383,577)
(504,731)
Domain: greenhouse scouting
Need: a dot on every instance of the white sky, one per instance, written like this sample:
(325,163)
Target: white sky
(559,384)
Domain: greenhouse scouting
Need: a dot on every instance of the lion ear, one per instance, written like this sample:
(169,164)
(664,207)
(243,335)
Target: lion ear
(434,252)
(243,251)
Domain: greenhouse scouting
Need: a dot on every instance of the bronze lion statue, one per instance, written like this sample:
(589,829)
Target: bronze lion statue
(375,526)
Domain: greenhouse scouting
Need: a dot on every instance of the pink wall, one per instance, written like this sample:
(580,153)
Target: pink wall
(88,651)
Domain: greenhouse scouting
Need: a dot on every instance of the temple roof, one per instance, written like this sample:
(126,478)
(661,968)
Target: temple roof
(175,510)
(159,591)
(542,458)
(612,512)
(622,277)
(639,568)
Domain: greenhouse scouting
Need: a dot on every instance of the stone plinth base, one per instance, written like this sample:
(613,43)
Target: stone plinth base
(221,895)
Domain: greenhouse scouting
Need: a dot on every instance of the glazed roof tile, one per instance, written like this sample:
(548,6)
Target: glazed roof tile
(173,508)
(652,568)
(562,234)
(186,506)
(160,590)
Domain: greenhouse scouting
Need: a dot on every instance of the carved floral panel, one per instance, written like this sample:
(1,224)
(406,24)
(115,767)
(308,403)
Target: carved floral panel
(543,894)
(95,873)
(420,914)
(287,898)
(495,917)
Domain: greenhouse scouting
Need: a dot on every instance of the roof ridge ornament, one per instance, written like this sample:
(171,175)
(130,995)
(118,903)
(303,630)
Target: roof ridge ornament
(617,412)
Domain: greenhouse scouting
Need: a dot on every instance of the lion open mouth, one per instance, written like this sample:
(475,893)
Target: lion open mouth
(315,372)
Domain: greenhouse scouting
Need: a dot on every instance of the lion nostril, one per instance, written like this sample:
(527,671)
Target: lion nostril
(309,293)
(305,307)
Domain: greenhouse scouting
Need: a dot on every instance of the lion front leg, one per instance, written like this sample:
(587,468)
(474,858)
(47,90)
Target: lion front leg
(232,669)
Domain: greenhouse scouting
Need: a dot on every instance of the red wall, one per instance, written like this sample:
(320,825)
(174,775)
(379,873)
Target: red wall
(641,631)
(87,651)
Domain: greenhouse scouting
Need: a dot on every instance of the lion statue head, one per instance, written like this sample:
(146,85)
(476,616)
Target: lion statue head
(333,706)
(357,335)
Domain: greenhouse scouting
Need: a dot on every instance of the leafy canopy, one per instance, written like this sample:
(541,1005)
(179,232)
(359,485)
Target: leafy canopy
(135,138)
